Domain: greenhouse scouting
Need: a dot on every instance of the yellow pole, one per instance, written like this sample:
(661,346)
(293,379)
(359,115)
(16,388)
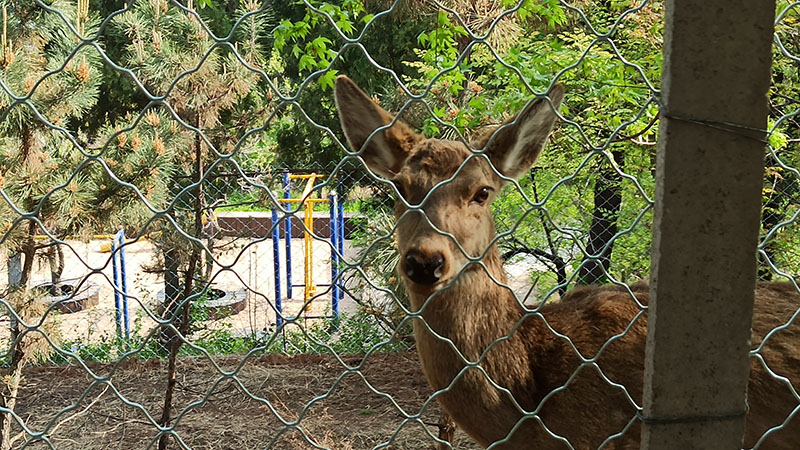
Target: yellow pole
(308,241)
(308,205)
(309,247)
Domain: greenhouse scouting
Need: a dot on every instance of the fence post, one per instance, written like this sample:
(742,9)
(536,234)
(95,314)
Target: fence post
(117,288)
(287,194)
(276,255)
(340,240)
(333,226)
(120,238)
(707,212)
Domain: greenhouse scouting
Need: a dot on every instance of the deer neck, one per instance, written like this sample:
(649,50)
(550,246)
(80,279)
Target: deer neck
(473,311)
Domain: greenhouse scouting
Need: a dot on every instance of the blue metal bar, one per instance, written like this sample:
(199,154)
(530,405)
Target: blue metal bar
(120,237)
(117,299)
(340,239)
(334,235)
(276,256)
(287,234)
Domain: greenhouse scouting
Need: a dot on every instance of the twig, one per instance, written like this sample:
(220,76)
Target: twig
(79,413)
(621,138)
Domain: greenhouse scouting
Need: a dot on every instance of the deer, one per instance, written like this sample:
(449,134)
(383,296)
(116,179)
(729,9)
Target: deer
(505,373)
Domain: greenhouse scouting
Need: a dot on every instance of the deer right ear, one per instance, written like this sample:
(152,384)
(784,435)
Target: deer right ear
(387,150)
(519,141)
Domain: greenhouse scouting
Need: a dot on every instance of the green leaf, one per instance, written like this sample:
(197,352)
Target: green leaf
(346,25)
(477,103)
(778,139)
(321,42)
(327,79)
(307,62)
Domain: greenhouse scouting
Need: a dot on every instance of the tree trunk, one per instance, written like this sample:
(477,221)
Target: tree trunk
(188,289)
(607,202)
(9,399)
(11,384)
(172,283)
(55,259)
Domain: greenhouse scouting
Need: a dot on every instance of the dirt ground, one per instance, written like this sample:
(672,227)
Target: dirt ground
(274,401)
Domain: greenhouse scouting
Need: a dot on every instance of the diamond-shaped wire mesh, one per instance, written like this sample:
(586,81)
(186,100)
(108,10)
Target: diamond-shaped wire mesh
(196,258)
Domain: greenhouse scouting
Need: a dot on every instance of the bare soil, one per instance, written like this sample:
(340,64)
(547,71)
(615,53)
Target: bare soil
(269,401)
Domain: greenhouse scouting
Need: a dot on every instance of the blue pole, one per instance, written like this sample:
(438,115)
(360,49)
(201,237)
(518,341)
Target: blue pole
(340,228)
(276,239)
(117,299)
(288,236)
(121,240)
(333,224)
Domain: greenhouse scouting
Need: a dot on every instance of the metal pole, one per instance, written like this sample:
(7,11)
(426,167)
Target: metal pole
(121,239)
(706,222)
(117,299)
(276,230)
(334,235)
(340,241)
(287,194)
(310,287)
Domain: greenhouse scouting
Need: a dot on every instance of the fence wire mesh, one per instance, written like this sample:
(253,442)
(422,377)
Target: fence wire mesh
(250,298)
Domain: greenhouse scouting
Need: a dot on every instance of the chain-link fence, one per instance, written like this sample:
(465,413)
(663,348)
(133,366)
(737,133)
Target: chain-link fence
(196,258)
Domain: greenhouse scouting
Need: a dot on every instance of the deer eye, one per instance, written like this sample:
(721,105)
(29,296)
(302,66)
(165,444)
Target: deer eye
(482,195)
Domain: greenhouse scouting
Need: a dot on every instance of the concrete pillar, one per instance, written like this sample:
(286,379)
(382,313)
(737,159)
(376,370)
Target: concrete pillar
(717,56)
(14,269)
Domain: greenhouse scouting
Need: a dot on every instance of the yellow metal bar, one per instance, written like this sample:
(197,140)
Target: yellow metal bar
(300,200)
(310,288)
(43,237)
(309,186)
(308,220)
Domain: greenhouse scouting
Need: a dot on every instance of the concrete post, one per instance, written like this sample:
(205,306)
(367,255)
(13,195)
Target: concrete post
(14,269)
(707,211)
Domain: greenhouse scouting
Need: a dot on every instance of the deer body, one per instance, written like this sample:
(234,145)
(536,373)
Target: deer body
(494,363)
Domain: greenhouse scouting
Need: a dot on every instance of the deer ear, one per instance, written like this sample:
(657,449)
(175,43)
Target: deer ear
(388,149)
(519,140)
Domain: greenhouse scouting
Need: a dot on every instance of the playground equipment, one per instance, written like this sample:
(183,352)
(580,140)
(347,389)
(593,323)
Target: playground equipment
(120,283)
(336,240)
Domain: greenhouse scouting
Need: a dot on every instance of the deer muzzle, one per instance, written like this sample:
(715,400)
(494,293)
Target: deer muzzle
(424,268)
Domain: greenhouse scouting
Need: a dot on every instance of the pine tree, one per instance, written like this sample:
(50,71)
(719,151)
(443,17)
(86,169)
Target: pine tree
(55,82)
(48,82)
(173,55)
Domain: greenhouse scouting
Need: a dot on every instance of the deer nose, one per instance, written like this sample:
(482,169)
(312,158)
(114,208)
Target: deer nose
(424,270)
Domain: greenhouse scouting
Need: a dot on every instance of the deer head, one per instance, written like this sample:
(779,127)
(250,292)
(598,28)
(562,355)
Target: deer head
(444,222)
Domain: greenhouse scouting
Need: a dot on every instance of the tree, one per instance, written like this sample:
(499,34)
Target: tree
(781,179)
(49,82)
(170,50)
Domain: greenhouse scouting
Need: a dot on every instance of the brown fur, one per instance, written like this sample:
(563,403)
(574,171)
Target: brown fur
(555,360)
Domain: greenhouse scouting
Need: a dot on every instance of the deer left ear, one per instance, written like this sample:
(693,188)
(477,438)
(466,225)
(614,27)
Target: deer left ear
(519,141)
(385,152)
